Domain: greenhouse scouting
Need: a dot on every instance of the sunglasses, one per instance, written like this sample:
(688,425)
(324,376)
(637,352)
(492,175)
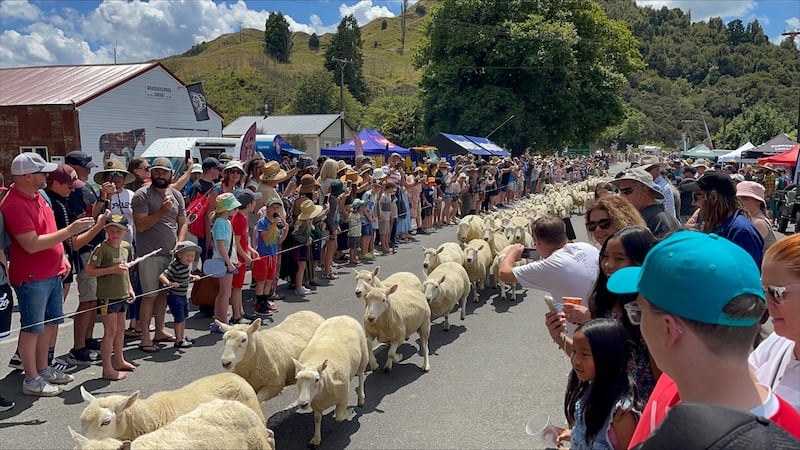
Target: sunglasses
(634,313)
(117,174)
(628,190)
(604,224)
(144,168)
(776,292)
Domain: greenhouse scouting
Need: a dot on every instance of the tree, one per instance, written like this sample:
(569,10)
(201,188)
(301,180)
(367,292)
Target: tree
(313,42)
(314,93)
(756,124)
(398,117)
(346,45)
(278,38)
(557,66)
(735,32)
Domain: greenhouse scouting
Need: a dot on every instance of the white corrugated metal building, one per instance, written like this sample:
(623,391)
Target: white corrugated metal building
(317,130)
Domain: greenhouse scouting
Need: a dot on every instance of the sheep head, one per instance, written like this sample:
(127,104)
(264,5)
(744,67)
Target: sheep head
(309,383)
(84,443)
(102,417)
(377,302)
(463,230)
(471,254)
(364,277)
(488,234)
(236,341)
(430,258)
(431,288)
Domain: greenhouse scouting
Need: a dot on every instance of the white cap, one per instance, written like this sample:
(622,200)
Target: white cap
(30,162)
(197,168)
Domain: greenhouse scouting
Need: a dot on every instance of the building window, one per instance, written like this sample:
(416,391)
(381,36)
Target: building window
(327,144)
(42,151)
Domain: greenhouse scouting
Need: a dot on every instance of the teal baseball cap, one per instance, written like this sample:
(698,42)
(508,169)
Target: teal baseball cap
(693,275)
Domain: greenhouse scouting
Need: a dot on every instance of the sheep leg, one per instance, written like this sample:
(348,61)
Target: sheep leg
(464,306)
(447,321)
(391,357)
(477,296)
(424,332)
(502,290)
(361,395)
(373,363)
(317,429)
(342,411)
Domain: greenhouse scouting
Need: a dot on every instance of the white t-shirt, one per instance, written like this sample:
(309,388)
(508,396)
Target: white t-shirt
(569,272)
(775,366)
(121,204)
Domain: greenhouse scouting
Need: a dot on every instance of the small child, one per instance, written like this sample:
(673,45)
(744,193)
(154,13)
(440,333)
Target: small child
(601,392)
(108,262)
(354,231)
(271,232)
(177,277)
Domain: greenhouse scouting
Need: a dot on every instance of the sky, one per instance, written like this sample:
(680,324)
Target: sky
(58,32)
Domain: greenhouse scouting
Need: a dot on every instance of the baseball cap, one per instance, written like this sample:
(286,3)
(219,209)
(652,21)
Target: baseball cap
(117,220)
(211,162)
(642,176)
(673,267)
(274,201)
(717,181)
(66,175)
(161,163)
(197,168)
(79,158)
(30,162)
(246,196)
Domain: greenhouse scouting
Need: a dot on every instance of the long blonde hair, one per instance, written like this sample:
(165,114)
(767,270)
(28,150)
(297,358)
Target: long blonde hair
(329,169)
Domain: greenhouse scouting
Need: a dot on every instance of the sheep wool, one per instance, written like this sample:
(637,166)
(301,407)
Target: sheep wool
(444,287)
(364,277)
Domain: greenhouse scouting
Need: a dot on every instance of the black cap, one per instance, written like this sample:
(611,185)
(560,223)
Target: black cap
(211,162)
(79,158)
(706,426)
(717,181)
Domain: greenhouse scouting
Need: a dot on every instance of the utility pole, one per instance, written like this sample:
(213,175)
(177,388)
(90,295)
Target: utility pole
(342,62)
(794,35)
(686,135)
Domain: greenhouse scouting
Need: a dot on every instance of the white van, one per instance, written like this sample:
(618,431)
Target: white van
(199,148)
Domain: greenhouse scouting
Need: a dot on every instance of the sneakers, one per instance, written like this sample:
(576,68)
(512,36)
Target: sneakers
(241,321)
(93,344)
(250,317)
(271,308)
(62,365)
(214,328)
(5,405)
(16,362)
(302,291)
(82,356)
(262,309)
(54,376)
(40,388)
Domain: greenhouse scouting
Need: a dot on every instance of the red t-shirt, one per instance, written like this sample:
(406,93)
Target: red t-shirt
(22,214)
(239,224)
(665,395)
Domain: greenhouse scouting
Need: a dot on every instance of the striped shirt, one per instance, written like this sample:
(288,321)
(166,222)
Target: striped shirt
(178,272)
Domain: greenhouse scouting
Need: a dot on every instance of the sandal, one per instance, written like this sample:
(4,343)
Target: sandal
(132,333)
(165,339)
(149,348)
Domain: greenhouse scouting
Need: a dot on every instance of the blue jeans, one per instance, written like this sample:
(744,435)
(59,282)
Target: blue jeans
(40,302)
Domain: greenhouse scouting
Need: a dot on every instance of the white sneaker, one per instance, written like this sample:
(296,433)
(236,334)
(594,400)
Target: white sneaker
(51,375)
(39,387)
(303,291)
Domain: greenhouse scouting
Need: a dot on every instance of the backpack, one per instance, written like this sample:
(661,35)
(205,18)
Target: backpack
(196,214)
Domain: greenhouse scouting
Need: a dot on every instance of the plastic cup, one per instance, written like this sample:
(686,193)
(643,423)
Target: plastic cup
(542,430)
(572,300)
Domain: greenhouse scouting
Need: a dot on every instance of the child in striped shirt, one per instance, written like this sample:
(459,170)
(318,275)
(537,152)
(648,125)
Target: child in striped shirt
(177,277)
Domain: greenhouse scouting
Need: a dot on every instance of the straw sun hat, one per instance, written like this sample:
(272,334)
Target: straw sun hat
(110,166)
(308,210)
(226,202)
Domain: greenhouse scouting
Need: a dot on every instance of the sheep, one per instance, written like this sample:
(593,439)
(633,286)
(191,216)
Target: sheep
(394,319)
(127,417)
(477,264)
(519,235)
(337,351)
(444,287)
(263,358)
(447,252)
(217,424)
(406,279)
(497,240)
(469,228)
(495,270)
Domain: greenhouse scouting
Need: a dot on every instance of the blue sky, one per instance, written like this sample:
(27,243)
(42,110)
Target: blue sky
(51,32)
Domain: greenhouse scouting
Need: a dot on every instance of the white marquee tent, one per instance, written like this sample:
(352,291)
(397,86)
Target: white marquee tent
(736,155)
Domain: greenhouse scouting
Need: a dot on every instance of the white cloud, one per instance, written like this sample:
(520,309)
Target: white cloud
(11,10)
(705,9)
(793,23)
(365,12)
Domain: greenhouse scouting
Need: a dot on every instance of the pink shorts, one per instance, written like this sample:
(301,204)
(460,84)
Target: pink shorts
(265,268)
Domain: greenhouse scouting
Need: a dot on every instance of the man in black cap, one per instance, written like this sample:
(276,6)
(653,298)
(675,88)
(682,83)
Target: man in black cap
(212,168)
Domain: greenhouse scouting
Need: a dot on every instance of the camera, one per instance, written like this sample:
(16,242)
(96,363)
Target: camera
(280,225)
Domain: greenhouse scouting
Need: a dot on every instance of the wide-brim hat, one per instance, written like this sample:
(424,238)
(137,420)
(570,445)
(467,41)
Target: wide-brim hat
(494,160)
(308,210)
(648,161)
(272,171)
(110,166)
(443,164)
(700,163)
(337,188)
(233,165)
(308,184)
(750,189)
(642,177)
(351,176)
(186,246)
(767,166)
(226,202)
(378,174)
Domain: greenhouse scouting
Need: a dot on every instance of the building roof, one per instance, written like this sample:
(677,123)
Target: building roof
(63,85)
(283,125)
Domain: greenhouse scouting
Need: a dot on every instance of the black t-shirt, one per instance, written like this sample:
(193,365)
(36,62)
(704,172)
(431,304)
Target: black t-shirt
(80,203)
(200,186)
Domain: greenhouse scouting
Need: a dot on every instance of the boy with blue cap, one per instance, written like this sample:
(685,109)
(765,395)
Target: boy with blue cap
(699,307)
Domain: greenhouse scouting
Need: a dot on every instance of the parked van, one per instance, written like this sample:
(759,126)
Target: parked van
(199,148)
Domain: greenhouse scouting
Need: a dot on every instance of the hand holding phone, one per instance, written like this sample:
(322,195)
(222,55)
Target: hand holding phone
(529,253)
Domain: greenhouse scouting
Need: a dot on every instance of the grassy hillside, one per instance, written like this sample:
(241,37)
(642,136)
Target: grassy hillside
(239,78)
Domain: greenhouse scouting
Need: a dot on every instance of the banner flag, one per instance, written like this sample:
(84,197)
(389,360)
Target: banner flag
(248,144)
(358,145)
(198,100)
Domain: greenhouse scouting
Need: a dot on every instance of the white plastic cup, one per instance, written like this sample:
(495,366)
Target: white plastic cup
(542,430)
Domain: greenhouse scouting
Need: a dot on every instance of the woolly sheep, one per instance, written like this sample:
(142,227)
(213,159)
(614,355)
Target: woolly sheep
(469,228)
(264,358)
(495,270)
(445,286)
(337,352)
(393,320)
(477,264)
(447,252)
(519,235)
(218,424)
(406,279)
(127,417)
(497,240)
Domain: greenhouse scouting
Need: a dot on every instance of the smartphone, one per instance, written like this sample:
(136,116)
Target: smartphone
(550,303)
(529,253)
(187,155)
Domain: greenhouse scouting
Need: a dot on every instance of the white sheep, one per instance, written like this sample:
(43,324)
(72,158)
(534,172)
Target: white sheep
(393,320)
(447,252)
(127,417)
(477,264)
(496,238)
(264,358)
(337,352)
(217,424)
(445,286)
(495,270)
(406,279)
(518,234)
(469,228)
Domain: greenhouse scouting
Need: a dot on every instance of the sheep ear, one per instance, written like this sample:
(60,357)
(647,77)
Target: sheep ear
(439,250)
(126,445)
(376,271)
(80,440)
(122,405)
(222,326)
(87,397)
(392,289)
(367,287)
(480,248)
(297,366)
(322,366)
(444,275)
(255,326)
(356,273)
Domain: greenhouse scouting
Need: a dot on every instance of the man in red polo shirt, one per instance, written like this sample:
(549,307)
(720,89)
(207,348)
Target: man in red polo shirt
(38,262)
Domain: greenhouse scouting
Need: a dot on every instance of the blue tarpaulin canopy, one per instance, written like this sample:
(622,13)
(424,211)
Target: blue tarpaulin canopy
(493,148)
(373,143)
(450,144)
(466,144)
(271,146)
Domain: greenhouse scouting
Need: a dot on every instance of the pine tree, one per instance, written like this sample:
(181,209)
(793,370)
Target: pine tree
(278,38)
(346,45)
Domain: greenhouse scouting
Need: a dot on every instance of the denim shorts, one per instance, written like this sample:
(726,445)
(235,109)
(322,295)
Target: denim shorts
(366,229)
(40,301)
(178,306)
